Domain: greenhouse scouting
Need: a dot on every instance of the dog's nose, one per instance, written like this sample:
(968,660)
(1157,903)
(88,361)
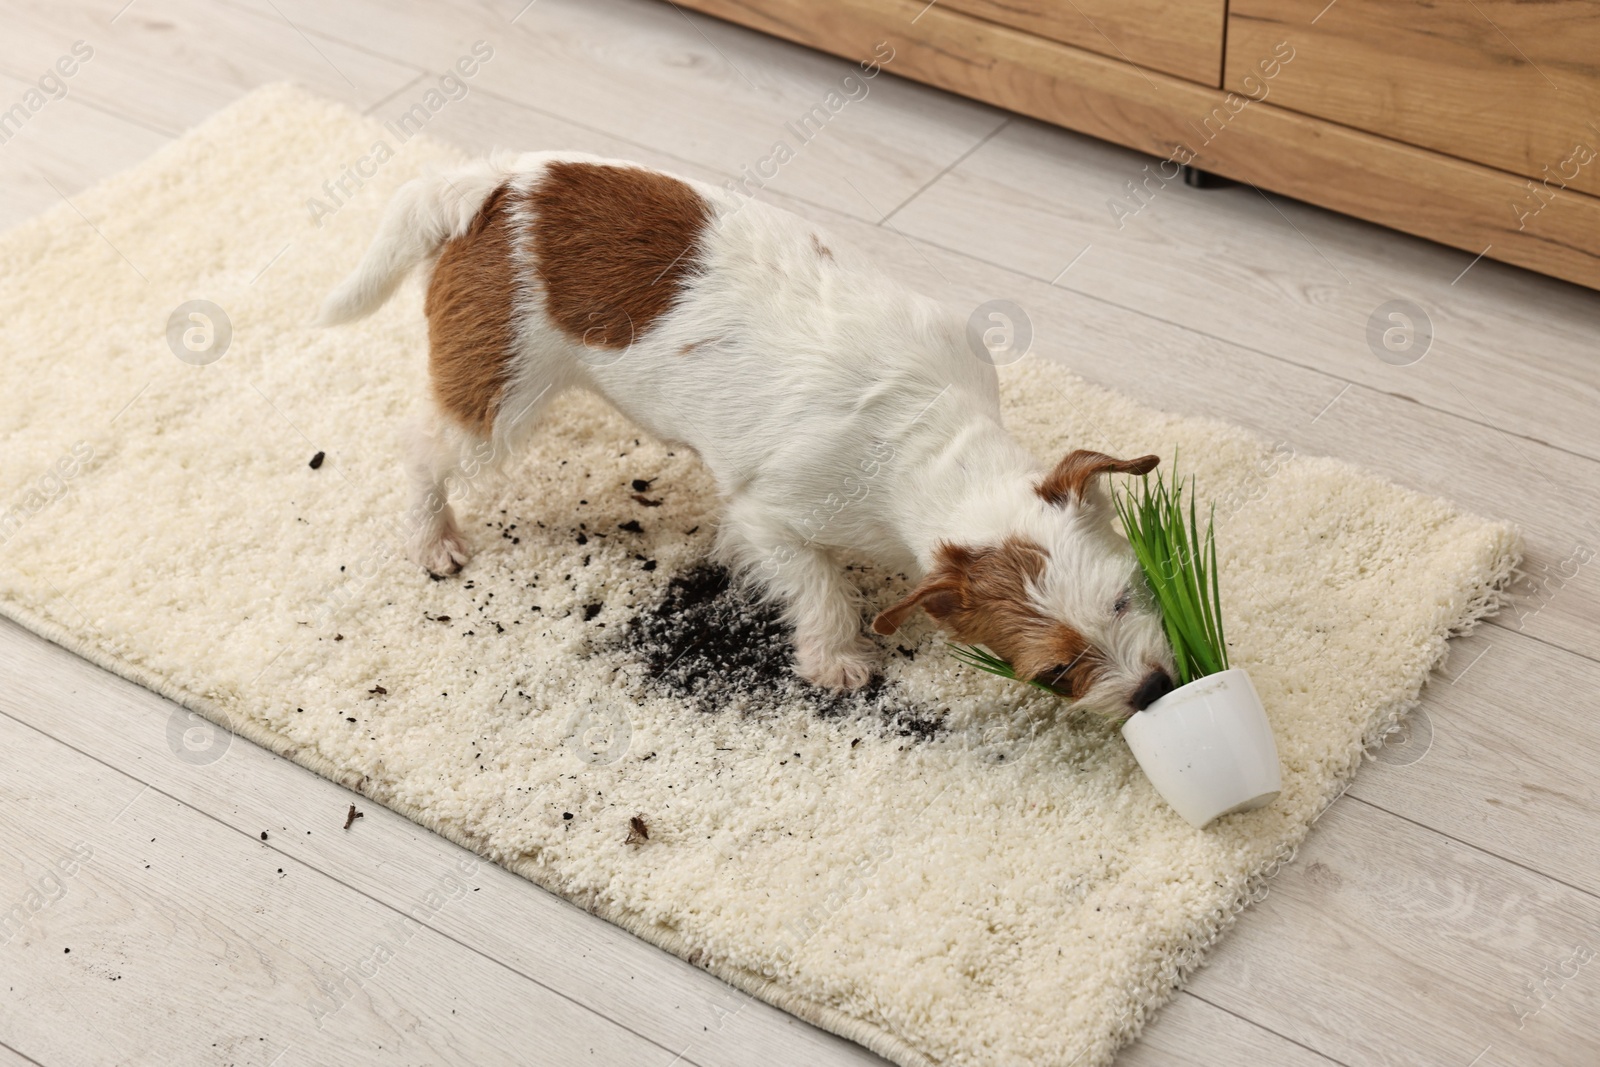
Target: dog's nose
(1156,684)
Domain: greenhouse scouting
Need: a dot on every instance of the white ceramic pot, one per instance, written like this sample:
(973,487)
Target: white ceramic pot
(1207,748)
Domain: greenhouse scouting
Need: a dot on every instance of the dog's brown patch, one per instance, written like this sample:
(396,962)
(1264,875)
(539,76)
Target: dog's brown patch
(980,596)
(614,247)
(1072,477)
(470,326)
(822,250)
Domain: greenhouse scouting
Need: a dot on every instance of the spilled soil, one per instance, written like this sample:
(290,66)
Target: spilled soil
(718,649)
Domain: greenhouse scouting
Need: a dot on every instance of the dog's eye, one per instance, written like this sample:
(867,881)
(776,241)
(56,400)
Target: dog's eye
(1059,677)
(1123,602)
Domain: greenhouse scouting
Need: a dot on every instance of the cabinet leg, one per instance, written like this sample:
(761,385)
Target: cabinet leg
(1196,178)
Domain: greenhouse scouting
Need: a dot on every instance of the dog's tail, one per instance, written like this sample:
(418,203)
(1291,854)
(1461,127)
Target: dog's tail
(424,214)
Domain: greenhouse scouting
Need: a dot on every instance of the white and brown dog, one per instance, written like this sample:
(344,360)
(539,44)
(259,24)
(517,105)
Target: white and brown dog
(837,411)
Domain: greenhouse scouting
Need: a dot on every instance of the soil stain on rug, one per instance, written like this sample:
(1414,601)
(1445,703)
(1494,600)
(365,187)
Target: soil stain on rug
(718,648)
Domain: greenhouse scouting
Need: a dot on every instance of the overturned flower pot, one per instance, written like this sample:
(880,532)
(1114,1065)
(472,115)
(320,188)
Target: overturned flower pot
(1207,748)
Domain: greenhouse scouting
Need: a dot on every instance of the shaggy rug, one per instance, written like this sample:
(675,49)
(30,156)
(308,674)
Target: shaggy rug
(202,493)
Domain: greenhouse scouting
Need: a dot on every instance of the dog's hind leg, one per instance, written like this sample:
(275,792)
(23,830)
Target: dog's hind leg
(435,454)
(488,378)
(445,459)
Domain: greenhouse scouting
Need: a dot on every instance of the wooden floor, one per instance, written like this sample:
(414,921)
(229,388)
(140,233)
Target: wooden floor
(210,909)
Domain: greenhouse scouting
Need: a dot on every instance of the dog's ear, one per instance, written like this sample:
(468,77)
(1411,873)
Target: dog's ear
(939,594)
(1075,475)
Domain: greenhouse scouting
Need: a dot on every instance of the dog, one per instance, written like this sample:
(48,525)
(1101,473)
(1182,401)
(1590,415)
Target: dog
(838,412)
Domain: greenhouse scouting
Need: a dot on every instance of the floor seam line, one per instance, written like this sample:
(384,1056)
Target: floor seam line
(962,158)
(1268,1029)
(1592,894)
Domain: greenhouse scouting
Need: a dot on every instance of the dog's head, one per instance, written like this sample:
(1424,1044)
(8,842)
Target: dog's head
(1061,598)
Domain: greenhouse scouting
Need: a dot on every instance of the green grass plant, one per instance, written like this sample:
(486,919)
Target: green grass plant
(1180,566)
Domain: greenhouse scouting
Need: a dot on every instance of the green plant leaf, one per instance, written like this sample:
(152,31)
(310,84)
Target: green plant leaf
(984,660)
(1180,567)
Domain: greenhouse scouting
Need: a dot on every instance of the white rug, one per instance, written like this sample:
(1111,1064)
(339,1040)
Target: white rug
(948,870)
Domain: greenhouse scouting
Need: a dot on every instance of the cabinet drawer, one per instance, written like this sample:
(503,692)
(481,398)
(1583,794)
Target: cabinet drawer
(1182,37)
(1507,84)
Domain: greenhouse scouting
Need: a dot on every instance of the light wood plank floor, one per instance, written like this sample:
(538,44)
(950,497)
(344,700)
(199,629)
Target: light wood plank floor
(215,910)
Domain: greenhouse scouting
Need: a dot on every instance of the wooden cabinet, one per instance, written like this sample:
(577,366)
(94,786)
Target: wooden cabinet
(1507,84)
(1401,112)
(1182,37)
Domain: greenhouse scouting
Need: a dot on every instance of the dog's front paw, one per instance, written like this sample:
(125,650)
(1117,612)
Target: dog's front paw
(845,668)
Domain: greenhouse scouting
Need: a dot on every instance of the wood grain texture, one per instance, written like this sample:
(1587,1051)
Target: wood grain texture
(1181,37)
(1464,205)
(1510,85)
(1455,952)
(174,62)
(1502,756)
